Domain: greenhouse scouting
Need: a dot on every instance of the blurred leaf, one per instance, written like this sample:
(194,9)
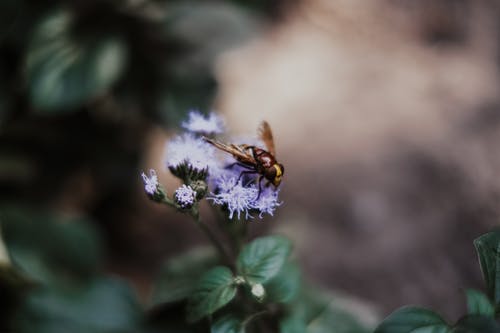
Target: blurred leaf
(285,286)
(263,258)
(309,304)
(214,290)
(10,11)
(413,319)
(479,304)
(203,32)
(13,286)
(103,305)
(342,320)
(227,324)
(476,324)
(487,247)
(292,325)
(319,311)
(65,70)
(264,7)
(48,249)
(178,278)
(4,104)
(198,34)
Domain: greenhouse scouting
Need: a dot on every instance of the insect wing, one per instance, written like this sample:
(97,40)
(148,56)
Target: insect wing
(238,152)
(266,135)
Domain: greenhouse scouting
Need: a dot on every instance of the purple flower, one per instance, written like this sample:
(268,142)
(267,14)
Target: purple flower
(191,151)
(267,202)
(198,123)
(185,196)
(151,182)
(236,197)
(243,199)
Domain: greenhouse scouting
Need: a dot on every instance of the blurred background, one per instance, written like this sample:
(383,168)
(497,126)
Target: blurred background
(386,115)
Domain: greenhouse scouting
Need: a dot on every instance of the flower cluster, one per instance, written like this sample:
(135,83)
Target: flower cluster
(189,157)
(185,196)
(243,199)
(198,123)
(209,173)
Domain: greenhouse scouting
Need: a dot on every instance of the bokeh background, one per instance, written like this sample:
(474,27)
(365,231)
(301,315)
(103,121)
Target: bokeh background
(386,115)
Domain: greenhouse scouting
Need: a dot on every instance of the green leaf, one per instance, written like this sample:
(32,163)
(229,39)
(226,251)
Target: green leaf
(292,325)
(479,304)
(214,290)
(178,277)
(66,70)
(227,324)
(476,324)
(321,313)
(263,258)
(104,305)
(285,286)
(340,319)
(413,319)
(487,247)
(49,249)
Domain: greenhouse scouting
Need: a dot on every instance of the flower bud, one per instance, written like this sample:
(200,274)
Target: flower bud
(258,291)
(153,188)
(200,187)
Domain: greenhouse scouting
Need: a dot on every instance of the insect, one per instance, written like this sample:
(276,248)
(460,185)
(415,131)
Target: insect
(256,160)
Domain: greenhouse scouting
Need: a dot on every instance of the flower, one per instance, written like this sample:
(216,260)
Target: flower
(238,199)
(267,202)
(189,156)
(185,196)
(235,196)
(198,123)
(150,183)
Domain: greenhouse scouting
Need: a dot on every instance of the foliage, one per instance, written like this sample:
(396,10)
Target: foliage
(82,83)
(54,271)
(482,313)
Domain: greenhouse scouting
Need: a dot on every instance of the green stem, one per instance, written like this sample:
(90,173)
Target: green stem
(253,316)
(242,235)
(212,237)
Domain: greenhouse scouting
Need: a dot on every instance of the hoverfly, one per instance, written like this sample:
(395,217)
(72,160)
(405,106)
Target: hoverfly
(255,160)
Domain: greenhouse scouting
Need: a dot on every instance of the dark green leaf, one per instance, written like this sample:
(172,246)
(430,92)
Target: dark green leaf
(285,286)
(310,304)
(479,304)
(179,276)
(320,313)
(103,305)
(48,249)
(65,71)
(487,247)
(214,290)
(292,325)
(263,258)
(476,324)
(227,324)
(413,319)
(10,11)
(340,319)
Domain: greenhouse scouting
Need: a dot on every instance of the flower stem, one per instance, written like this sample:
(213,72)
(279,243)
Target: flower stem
(252,317)
(212,237)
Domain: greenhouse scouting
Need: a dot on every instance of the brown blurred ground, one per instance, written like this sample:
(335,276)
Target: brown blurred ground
(386,116)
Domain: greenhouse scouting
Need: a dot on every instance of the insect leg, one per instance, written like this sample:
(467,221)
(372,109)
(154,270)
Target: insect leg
(230,166)
(248,172)
(260,187)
